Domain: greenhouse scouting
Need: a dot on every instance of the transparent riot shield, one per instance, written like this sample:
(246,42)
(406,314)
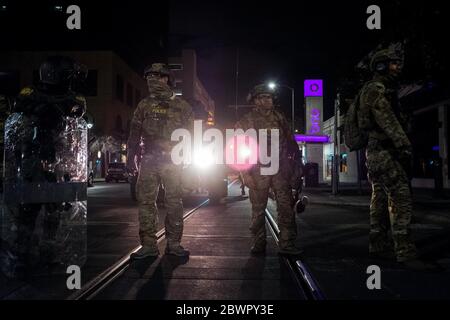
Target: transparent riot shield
(44,216)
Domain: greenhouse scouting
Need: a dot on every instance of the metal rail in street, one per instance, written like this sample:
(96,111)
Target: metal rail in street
(100,282)
(307,284)
(103,280)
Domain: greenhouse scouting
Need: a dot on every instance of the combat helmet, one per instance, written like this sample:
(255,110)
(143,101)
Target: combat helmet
(159,69)
(260,89)
(380,60)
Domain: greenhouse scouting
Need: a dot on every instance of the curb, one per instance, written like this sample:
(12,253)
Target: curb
(338,203)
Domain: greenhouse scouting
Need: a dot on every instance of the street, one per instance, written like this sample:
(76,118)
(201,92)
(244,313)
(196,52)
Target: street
(112,232)
(335,240)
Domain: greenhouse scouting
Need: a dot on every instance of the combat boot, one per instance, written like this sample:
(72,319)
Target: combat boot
(290,249)
(176,249)
(145,252)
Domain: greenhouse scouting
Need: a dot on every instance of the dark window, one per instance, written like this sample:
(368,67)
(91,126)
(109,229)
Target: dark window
(129,95)
(425,141)
(9,83)
(137,96)
(119,88)
(176,66)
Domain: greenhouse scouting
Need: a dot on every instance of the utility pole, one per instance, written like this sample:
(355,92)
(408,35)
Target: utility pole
(335,175)
(237,84)
(293,111)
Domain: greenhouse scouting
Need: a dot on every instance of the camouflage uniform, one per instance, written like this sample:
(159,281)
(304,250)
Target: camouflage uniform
(387,146)
(154,120)
(280,182)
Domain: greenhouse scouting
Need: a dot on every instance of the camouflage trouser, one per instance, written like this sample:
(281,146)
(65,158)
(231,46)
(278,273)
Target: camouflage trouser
(151,173)
(286,216)
(390,204)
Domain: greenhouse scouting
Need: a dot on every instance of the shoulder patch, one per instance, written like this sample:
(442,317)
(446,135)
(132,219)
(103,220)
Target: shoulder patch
(373,91)
(26,91)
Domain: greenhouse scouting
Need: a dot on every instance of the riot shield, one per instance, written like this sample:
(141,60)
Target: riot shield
(44,216)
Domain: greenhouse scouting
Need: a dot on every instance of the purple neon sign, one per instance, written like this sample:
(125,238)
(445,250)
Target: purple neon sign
(313,88)
(314,121)
(313,139)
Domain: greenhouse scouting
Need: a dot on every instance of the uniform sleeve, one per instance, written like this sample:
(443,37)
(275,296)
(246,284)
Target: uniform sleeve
(242,123)
(292,145)
(385,117)
(134,138)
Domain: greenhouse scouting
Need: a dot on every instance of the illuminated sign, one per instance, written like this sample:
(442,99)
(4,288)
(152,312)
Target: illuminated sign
(311,139)
(314,121)
(313,88)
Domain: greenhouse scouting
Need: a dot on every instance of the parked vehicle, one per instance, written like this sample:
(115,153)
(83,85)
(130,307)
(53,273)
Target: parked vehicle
(117,171)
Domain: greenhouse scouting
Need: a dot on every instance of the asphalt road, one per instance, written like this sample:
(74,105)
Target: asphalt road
(335,240)
(112,232)
(220,265)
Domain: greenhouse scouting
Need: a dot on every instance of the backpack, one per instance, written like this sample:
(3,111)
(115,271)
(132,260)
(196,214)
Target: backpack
(356,136)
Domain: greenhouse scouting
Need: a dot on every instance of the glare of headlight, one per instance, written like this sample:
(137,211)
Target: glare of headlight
(204,158)
(244,152)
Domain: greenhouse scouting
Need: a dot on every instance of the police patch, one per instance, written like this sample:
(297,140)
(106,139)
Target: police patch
(161,110)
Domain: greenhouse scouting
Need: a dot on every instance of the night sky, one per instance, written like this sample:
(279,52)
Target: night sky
(284,41)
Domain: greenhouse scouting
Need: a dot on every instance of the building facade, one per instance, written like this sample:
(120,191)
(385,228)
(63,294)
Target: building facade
(188,84)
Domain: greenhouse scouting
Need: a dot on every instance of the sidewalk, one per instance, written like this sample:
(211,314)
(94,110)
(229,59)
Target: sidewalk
(350,195)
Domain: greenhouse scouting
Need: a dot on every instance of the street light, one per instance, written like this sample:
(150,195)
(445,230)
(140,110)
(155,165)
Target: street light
(272,85)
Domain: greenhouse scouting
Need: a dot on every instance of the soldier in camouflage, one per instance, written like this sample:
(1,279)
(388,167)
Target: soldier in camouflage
(154,120)
(389,157)
(264,116)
